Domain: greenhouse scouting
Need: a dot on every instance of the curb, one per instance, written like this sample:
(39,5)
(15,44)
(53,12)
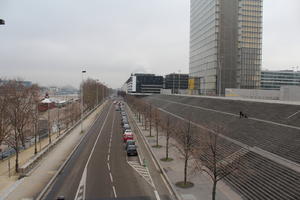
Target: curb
(175,193)
(46,188)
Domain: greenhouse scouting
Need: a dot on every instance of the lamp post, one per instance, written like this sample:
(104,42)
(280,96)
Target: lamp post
(2,22)
(81,105)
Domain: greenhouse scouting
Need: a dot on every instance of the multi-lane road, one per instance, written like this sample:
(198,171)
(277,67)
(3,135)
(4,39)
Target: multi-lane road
(100,169)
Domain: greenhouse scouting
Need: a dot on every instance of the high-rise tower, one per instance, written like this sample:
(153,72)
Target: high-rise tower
(225,44)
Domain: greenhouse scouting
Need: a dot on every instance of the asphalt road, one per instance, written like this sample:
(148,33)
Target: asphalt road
(100,169)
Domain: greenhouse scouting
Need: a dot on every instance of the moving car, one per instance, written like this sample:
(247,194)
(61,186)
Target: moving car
(131,150)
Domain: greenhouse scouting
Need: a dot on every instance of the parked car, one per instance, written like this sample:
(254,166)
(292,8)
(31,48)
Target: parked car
(127,136)
(129,142)
(128,131)
(131,150)
(124,122)
(126,126)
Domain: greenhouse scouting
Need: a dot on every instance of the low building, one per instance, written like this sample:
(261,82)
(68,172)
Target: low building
(273,80)
(176,82)
(286,93)
(144,84)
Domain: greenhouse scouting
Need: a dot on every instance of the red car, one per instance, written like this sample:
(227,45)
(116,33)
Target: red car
(127,136)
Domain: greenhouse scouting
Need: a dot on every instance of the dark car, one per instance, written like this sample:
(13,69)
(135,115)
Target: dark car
(129,142)
(131,150)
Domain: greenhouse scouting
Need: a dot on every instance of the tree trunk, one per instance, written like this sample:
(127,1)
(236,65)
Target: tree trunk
(35,139)
(167,147)
(17,154)
(150,126)
(185,168)
(156,134)
(214,190)
(139,117)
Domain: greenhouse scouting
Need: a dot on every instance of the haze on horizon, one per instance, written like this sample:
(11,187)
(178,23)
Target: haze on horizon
(50,42)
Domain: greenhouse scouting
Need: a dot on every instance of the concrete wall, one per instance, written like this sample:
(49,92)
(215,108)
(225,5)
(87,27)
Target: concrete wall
(286,93)
(290,93)
(165,91)
(253,94)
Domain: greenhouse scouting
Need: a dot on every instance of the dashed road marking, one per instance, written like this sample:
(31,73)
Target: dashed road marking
(156,195)
(114,190)
(111,178)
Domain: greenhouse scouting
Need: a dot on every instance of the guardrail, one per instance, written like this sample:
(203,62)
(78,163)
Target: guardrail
(175,193)
(25,169)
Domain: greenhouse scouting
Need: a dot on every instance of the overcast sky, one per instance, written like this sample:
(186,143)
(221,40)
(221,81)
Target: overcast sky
(50,42)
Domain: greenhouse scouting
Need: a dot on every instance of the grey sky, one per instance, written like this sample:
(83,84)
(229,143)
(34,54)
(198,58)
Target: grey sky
(49,42)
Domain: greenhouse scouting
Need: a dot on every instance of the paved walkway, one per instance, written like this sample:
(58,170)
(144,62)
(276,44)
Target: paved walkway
(174,170)
(29,187)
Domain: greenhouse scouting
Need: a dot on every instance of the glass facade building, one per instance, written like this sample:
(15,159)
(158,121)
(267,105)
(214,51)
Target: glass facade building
(273,80)
(225,44)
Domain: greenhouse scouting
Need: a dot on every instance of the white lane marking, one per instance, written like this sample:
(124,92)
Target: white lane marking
(143,172)
(80,194)
(294,114)
(114,190)
(111,178)
(109,148)
(156,195)
(236,115)
(141,134)
(84,174)
(167,185)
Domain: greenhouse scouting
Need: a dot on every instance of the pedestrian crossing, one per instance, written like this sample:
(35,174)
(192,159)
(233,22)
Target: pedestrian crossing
(142,171)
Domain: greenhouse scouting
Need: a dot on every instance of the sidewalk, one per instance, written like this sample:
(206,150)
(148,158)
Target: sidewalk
(29,187)
(174,169)
(24,156)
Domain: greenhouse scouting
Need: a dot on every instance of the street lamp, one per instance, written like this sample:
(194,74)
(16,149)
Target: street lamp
(82,72)
(2,22)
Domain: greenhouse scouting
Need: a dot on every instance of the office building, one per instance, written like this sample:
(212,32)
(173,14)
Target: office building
(144,84)
(176,81)
(225,44)
(273,80)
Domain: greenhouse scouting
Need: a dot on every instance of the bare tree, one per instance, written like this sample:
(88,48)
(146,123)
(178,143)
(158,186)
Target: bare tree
(187,144)
(34,92)
(93,92)
(19,107)
(5,127)
(157,123)
(67,116)
(168,130)
(212,158)
(150,116)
